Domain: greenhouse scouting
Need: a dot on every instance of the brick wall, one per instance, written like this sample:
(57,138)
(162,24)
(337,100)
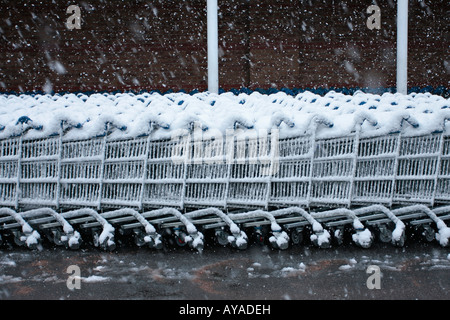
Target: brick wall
(161,44)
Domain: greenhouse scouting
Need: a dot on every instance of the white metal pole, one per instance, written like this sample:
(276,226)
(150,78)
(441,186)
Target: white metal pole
(402,46)
(213,47)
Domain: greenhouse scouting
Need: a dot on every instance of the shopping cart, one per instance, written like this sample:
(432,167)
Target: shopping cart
(278,190)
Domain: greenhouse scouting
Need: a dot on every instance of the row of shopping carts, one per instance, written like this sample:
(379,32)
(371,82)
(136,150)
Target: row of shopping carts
(180,187)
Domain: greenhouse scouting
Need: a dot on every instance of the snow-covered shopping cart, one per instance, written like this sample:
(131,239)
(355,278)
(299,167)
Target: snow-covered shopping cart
(304,168)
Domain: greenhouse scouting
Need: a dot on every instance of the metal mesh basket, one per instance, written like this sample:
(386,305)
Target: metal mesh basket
(81,172)
(250,173)
(375,174)
(417,169)
(9,171)
(206,174)
(164,183)
(443,178)
(256,172)
(39,172)
(290,184)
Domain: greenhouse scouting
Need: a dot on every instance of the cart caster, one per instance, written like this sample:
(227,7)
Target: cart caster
(31,240)
(237,240)
(107,244)
(139,236)
(384,234)
(259,236)
(427,232)
(194,239)
(401,240)
(74,241)
(338,236)
(279,240)
(240,241)
(321,239)
(363,238)
(19,238)
(154,241)
(56,237)
(70,240)
(222,237)
(158,245)
(180,237)
(297,236)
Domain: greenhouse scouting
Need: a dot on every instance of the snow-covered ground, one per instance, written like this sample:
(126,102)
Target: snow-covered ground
(417,271)
(132,113)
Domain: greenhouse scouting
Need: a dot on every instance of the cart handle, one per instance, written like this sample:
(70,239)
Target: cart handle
(26,120)
(361,117)
(109,125)
(242,123)
(320,119)
(159,124)
(411,120)
(279,117)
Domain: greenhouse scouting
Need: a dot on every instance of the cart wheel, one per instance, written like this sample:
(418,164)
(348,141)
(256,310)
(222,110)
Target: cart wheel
(95,237)
(19,238)
(240,241)
(179,239)
(138,238)
(158,244)
(22,239)
(259,238)
(401,242)
(427,233)
(74,243)
(222,237)
(384,234)
(297,236)
(57,238)
(108,244)
(199,247)
(338,236)
(242,245)
(281,240)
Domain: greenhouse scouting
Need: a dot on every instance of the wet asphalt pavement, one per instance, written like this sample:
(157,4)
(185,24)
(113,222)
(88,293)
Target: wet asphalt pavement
(416,271)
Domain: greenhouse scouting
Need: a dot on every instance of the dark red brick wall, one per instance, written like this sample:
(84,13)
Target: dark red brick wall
(162,44)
